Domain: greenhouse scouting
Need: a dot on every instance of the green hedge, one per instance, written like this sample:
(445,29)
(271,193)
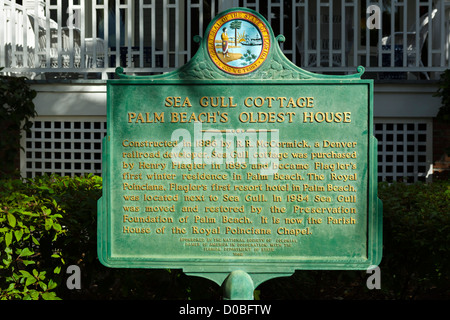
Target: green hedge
(416,239)
(49,223)
(45,224)
(16,111)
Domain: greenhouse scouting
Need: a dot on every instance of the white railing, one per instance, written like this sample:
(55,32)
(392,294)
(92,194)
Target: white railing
(90,38)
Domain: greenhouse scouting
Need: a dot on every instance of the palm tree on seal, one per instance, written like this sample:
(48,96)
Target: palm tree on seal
(236,24)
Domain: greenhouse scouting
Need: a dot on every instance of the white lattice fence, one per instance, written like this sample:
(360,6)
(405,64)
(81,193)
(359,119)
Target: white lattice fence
(404,149)
(66,146)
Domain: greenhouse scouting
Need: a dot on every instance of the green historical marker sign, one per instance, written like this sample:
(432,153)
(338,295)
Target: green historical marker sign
(240,161)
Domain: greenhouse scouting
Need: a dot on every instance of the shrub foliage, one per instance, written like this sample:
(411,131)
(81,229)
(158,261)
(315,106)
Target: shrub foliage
(43,223)
(16,110)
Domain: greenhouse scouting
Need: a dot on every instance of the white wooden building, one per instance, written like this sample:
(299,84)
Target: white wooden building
(69,48)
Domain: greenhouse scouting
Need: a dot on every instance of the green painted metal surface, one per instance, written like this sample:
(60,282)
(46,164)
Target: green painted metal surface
(251,164)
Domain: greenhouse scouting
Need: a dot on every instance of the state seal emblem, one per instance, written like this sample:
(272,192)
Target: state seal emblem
(238,42)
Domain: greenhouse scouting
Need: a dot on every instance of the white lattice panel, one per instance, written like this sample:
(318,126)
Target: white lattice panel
(66,146)
(404,149)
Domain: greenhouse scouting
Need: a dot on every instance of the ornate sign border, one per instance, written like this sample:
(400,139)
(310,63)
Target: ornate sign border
(206,69)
